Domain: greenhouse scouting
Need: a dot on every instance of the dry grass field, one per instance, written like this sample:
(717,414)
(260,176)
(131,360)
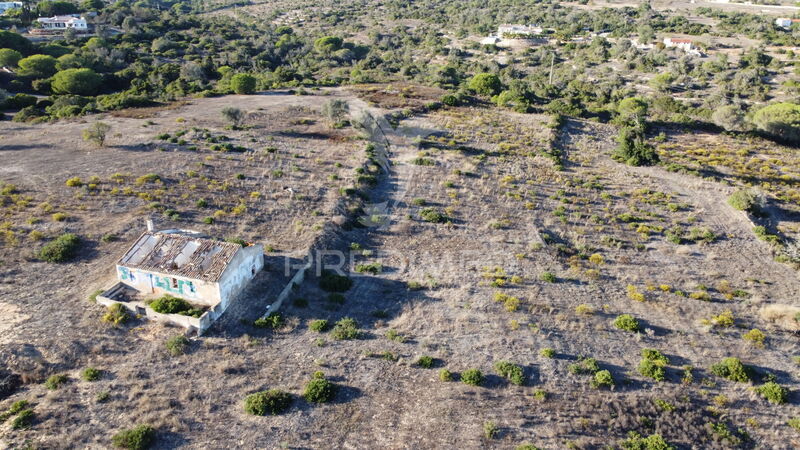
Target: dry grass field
(493,237)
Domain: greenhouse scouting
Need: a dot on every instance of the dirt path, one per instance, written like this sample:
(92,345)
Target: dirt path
(745,254)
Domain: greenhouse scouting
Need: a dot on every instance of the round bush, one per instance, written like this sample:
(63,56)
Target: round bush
(511,372)
(626,322)
(345,329)
(61,249)
(602,378)
(91,374)
(732,369)
(319,390)
(138,438)
(271,402)
(773,392)
(744,200)
(168,304)
(243,83)
(426,362)
(319,325)
(473,377)
(487,84)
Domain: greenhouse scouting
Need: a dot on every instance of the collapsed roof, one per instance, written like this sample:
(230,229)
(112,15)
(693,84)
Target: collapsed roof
(180,255)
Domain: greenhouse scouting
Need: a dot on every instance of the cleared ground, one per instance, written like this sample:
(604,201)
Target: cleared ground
(509,218)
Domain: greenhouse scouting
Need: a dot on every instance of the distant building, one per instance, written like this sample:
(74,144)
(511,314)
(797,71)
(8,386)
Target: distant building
(786,23)
(5,6)
(682,44)
(517,31)
(60,23)
(207,273)
(514,36)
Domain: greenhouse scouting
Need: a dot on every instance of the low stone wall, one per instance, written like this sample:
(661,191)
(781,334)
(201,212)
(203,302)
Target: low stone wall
(298,278)
(192,324)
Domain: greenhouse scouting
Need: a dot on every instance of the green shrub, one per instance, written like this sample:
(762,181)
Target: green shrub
(652,364)
(272,321)
(243,83)
(490,430)
(635,441)
(177,345)
(345,329)
(773,392)
(732,369)
(547,353)
(319,325)
(626,322)
(744,200)
(486,84)
(271,402)
(445,375)
(319,390)
(394,335)
(584,366)
(373,268)
(473,377)
(138,438)
(55,381)
(633,148)
(794,423)
(61,249)
(652,369)
(91,374)
(116,314)
(432,215)
(526,446)
(510,371)
(548,277)
(332,282)
(655,356)
(168,304)
(426,362)
(602,378)
(23,420)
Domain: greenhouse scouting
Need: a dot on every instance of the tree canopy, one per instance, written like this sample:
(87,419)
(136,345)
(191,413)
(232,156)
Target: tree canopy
(243,83)
(37,66)
(76,81)
(487,84)
(780,120)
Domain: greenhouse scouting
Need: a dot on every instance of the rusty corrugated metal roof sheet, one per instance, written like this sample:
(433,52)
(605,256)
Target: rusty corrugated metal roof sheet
(180,255)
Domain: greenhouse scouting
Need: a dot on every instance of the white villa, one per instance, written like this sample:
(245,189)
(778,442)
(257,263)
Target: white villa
(682,44)
(5,6)
(517,31)
(63,23)
(207,273)
(513,35)
(786,23)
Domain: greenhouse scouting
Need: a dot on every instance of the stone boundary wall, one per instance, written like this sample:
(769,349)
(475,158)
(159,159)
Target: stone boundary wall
(192,324)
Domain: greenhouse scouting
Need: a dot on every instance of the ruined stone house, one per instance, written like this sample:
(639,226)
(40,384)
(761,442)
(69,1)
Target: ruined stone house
(205,272)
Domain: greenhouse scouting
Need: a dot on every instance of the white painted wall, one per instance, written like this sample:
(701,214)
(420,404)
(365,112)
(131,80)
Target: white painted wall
(151,283)
(240,271)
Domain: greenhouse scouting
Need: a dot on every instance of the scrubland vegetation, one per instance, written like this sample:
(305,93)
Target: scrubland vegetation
(588,240)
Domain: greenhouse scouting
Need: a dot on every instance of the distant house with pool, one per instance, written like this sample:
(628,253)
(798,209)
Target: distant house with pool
(5,6)
(207,273)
